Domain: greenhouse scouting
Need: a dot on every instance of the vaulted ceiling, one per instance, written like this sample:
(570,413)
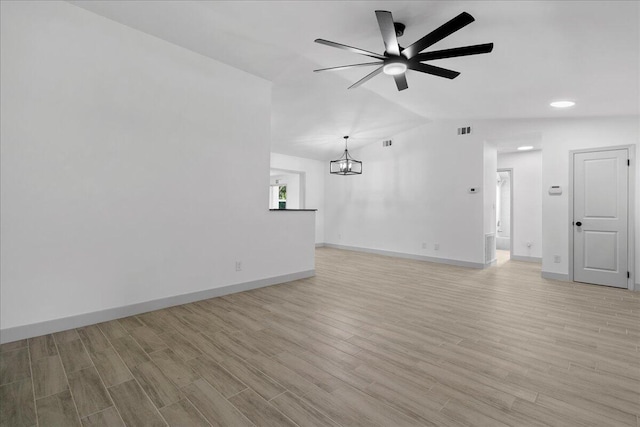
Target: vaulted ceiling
(544,50)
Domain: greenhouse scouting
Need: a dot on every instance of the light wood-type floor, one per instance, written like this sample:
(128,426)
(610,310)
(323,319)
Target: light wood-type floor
(370,341)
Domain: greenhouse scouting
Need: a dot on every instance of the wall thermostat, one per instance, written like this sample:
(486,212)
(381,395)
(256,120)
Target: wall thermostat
(474,190)
(555,189)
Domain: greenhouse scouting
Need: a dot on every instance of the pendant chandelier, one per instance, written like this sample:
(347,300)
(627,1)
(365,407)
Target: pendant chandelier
(345,165)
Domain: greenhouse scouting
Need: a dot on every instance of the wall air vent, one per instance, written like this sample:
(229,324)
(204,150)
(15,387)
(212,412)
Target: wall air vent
(464,131)
(387,143)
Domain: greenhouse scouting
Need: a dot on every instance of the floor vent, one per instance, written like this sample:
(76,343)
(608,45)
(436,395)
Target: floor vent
(489,248)
(464,131)
(387,143)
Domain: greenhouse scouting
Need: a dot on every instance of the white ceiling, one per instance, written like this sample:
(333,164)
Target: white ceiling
(544,50)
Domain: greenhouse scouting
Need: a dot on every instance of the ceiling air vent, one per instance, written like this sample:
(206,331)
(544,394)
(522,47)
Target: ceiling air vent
(387,143)
(464,131)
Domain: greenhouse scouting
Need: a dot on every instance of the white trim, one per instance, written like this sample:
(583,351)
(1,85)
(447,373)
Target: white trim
(411,256)
(319,245)
(56,325)
(526,258)
(556,276)
(631,203)
(510,170)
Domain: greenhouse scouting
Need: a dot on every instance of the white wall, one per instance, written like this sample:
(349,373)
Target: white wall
(526,186)
(559,137)
(413,192)
(128,170)
(292,181)
(315,172)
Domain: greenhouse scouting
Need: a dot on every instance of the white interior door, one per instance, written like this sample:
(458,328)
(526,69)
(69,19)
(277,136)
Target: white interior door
(600,211)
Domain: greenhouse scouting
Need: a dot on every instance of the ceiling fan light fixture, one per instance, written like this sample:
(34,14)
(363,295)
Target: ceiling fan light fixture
(394,68)
(562,104)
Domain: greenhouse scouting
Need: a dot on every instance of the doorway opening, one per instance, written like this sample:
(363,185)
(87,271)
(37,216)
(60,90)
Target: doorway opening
(286,189)
(504,215)
(278,196)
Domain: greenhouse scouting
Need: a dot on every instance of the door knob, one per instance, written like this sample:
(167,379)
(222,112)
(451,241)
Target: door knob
(578,223)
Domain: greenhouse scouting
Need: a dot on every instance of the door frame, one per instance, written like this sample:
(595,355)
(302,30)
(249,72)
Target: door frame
(510,170)
(631,205)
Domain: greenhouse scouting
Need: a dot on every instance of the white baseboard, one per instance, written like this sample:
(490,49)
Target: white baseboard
(526,258)
(555,276)
(319,245)
(409,256)
(56,325)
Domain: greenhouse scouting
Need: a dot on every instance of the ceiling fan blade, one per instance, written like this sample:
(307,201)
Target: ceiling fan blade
(401,81)
(388,31)
(366,78)
(452,53)
(431,69)
(438,34)
(349,48)
(345,67)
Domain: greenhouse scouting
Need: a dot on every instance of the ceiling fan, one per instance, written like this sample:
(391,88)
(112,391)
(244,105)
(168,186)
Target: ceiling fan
(396,60)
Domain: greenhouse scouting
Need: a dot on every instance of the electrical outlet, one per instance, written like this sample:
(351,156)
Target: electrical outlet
(436,246)
(424,245)
(238,265)
(557,259)
(339,236)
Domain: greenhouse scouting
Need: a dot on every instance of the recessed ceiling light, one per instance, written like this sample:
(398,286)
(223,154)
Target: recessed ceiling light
(525,148)
(562,104)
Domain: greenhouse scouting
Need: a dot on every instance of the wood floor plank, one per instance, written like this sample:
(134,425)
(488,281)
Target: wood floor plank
(48,376)
(258,410)
(252,377)
(73,355)
(42,346)
(300,412)
(14,365)
(147,339)
(57,410)
(66,336)
(173,367)
(112,329)
(88,391)
(130,323)
(369,341)
(129,350)
(181,346)
(282,375)
(217,376)
(183,413)
(14,345)
(215,408)
(314,375)
(17,408)
(110,366)
(156,384)
(93,339)
(106,418)
(134,406)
